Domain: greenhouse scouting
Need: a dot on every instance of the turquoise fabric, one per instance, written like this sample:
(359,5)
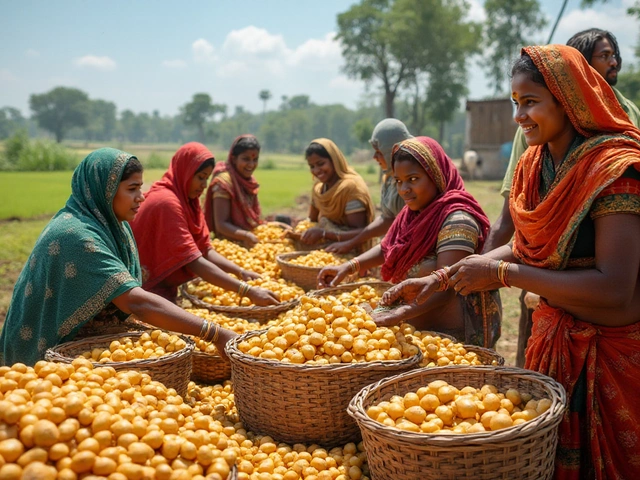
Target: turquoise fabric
(83,259)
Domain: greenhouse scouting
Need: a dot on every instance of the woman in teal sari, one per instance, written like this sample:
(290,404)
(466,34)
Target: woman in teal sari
(85,267)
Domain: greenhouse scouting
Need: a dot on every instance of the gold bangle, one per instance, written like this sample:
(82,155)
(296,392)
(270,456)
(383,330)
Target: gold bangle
(205,325)
(216,334)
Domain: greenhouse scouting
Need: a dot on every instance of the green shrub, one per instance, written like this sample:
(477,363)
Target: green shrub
(155,160)
(371,169)
(13,147)
(45,155)
(268,164)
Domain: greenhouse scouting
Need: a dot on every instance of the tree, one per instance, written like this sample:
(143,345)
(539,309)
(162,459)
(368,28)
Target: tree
(366,32)
(199,110)
(265,96)
(11,120)
(60,110)
(362,130)
(102,120)
(507,28)
(299,102)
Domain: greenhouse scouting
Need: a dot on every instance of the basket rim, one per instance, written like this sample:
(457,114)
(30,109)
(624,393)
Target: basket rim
(350,285)
(235,354)
(280,307)
(549,419)
(281,259)
(56,355)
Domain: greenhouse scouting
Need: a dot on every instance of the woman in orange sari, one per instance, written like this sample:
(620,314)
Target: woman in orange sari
(575,202)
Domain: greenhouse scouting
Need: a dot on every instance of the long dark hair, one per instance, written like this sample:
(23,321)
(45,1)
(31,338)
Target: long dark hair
(585,41)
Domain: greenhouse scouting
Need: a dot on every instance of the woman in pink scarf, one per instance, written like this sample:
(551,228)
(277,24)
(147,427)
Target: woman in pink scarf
(232,209)
(440,224)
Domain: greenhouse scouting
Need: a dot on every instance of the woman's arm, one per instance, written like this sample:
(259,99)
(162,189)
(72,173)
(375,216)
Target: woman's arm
(501,231)
(222,218)
(161,313)
(314,213)
(377,228)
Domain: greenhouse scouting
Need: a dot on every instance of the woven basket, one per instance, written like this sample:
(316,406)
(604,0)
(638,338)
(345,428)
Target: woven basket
(259,314)
(379,287)
(173,369)
(111,326)
(208,368)
(305,277)
(525,451)
(302,403)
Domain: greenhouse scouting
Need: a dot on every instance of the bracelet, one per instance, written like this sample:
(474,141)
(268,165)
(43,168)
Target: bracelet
(243,289)
(443,278)
(205,327)
(354,263)
(216,333)
(206,333)
(503,273)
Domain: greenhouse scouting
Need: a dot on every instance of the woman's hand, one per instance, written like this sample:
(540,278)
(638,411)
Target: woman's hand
(249,239)
(223,338)
(414,290)
(312,236)
(475,273)
(392,317)
(332,275)
(247,275)
(263,297)
(340,247)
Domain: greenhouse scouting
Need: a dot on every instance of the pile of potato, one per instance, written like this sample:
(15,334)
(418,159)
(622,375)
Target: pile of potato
(442,408)
(149,345)
(218,296)
(321,331)
(359,295)
(317,259)
(304,225)
(268,232)
(260,259)
(74,421)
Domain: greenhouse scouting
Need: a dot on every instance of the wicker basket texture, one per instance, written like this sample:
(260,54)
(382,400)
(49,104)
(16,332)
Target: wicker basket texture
(525,451)
(173,370)
(259,314)
(208,368)
(305,277)
(302,403)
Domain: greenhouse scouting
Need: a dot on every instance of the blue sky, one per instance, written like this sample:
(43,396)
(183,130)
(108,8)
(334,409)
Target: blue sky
(145,55)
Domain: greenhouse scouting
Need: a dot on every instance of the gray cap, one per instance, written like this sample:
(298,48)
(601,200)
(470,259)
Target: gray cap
(386,134)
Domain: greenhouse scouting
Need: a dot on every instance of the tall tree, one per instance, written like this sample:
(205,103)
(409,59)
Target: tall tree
(265,96)
(60,110)
(11,120)
(102,120)
(508,28)
(199,110)
(366,32)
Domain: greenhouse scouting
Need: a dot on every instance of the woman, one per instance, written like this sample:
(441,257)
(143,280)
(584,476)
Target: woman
(172,235)
(385,135)
(232,209)
(340,200)
(440,224)
(85,265)
(575,202)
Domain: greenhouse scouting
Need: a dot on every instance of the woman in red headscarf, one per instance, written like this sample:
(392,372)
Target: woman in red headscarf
(172,235)
(440,224)
(575,203)
(231,207)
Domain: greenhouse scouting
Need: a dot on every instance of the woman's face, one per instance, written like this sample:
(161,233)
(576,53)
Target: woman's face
(246,162)
(414,184)
(128,198)
(199,182)
(541,117)
(379,157)
(322,168)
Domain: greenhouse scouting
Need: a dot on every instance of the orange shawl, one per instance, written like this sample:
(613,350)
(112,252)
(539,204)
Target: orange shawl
(332,203)
(546,228)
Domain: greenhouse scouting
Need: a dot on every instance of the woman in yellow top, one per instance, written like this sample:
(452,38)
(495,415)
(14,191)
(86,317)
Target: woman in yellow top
(340,199)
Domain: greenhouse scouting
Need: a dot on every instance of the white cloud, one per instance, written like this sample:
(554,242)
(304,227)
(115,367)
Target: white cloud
(32,53)
(317,54)
(174,63)
(255,42)
(6,76)
(203,51)
(93,61)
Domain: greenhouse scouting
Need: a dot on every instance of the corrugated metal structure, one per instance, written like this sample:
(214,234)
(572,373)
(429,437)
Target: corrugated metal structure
(489,126)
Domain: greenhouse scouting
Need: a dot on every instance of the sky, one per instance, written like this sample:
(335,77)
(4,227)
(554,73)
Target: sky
(147,55)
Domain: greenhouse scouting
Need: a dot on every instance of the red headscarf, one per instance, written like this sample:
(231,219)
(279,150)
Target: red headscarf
(245,209)
(169,228)
(413,235)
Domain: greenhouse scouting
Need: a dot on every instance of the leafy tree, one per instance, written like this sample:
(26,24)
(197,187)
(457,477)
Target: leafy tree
(366,33)
(507,29)
(102,120)
(60,110)
(199,110)
(11,120)
(629,83)
(265,96)
(362,130)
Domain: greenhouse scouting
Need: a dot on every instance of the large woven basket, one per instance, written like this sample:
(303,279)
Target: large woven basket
(208,368)
(525,451)
(379,287)
(173,370)
(305,277)
(302,403)
(260,314)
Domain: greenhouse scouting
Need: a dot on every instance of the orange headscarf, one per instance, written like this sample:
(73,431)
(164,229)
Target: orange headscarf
(546,228)
(351,186)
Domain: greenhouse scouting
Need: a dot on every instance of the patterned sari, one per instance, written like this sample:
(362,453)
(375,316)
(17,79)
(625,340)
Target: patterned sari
(599,366)
(83,259)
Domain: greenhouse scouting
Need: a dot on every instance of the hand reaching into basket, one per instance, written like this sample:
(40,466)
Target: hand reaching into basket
(414,290)
(223,338)
(312,236)
(247,275)
(263,297)
(333,275)
(340,247)
(249,239)
(389,317)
